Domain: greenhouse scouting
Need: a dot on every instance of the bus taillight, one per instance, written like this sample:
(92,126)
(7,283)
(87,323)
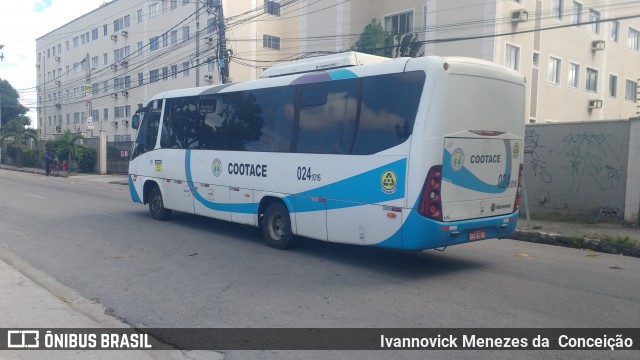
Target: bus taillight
(516,204)
(430,201)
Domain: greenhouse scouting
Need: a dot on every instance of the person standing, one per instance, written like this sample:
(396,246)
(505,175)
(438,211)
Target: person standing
(48,157)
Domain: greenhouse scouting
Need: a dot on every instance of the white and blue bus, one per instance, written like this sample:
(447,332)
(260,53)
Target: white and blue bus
(406,153)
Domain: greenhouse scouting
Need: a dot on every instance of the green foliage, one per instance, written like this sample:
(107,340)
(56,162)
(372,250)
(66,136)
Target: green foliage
(13,151)
(11,108)
(374,40)
(31,157)
(87,157)
(66,146)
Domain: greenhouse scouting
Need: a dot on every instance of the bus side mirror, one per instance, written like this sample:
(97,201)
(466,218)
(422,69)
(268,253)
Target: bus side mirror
(135,121)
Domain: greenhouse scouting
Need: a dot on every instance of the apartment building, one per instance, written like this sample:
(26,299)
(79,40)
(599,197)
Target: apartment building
(96,71)
(580,58)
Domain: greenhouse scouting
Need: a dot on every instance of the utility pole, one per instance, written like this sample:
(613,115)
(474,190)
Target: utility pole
(223,54)
(197,59)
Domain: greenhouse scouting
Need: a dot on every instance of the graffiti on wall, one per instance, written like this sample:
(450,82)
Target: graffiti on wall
(593,156)
(534,149)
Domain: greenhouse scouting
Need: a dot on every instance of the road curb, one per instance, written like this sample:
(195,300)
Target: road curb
(575,242)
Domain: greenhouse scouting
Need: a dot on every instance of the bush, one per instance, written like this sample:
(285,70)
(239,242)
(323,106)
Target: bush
(87,158)
(31,157)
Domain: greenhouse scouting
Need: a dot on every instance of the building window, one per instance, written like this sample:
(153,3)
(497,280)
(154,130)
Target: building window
(594,18)
(185,33)
(574,75)
(105,59)
(554,70)
(154,75)
(174,71)
(558,8)
(116,112)
(153,10)
(95,114)
(165,73)
(174,37)
(105,86)
(631,91)
(140,79)
(76,118)
(399,24)
(75,42)
(536,59)
(634,39)
(127,21)
(613,86)
(185,69)
(592,80)
(94,34)
(105,114)
(154,43)
(174,4)
(140,47)
(512,55)
(105,30)
(270,42)
(139,14)
(272,7)
(117,25)
(576,13)
(615,31)
(211,22)
(165,40)
(95,62)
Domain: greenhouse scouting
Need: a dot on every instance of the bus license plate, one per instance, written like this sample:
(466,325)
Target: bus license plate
(477,235)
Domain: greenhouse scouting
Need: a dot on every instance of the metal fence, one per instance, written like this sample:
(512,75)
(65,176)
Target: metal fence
(118,153)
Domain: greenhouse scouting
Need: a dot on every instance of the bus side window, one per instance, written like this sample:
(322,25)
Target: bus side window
(147,133)
(327,117)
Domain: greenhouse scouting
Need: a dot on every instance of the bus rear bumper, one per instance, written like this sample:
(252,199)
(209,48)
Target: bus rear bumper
(420,233)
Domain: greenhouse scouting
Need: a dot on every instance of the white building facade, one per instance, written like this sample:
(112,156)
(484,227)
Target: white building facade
(96,71)
(580,58)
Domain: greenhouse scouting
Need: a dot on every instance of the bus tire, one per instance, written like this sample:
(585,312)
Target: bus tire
(156,205)
(276,226)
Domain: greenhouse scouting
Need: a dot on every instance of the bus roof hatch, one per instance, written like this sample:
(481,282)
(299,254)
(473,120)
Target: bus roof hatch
(319,63)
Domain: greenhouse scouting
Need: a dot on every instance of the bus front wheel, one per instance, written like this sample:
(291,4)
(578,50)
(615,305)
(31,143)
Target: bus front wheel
(156,205)
(276,226)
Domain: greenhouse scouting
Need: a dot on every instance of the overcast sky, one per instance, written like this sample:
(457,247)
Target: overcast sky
(21,22)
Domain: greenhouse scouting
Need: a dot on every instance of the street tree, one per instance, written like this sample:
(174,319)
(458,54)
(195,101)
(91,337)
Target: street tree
(15,134)
(374,40)
(67,145)
(10,106)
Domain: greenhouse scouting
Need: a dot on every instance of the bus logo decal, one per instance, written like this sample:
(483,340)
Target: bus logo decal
(516,150)
(389,182)
(457,159)
(216,167)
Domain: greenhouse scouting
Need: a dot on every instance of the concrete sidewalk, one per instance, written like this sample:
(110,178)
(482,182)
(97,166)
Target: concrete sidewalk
(33,299)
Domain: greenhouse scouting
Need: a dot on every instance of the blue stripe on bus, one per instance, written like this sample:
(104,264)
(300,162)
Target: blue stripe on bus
(365,188)
(133,192)
(243,208)
(342,74)
(419,232)
(466,179)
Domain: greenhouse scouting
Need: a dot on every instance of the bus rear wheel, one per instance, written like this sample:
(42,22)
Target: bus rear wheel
(276,226)
(156,205)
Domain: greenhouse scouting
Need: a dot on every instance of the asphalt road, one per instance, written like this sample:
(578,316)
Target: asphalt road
(196,272)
